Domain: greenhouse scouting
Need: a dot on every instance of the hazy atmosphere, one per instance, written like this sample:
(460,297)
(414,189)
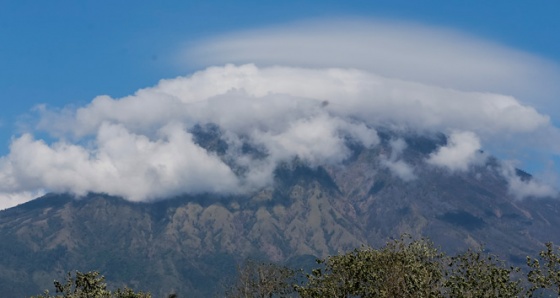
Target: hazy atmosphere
(104,98)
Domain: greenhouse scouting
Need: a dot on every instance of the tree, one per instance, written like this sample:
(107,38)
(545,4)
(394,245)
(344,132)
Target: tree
(261,279)
(475,274)
(403,268)
(88,285)
(547,277)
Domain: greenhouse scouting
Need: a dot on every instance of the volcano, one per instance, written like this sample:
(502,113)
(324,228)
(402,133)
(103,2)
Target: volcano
(192,243)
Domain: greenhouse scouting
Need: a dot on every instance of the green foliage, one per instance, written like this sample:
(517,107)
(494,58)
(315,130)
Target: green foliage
(403,268)
(259,279)
(547,277)
(88,285)
(474,274)
(409,268)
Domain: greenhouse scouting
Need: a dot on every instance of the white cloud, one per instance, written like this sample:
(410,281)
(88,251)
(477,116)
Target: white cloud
(9,200)
(397,147)
(138,146)
(401,50)
(315,140)
(121,163)
(397,166)
(339,81)
(462,151)
(524,188)
(275,96)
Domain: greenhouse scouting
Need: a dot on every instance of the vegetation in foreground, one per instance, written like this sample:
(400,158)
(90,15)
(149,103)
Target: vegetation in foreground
(89,285)
(402,268)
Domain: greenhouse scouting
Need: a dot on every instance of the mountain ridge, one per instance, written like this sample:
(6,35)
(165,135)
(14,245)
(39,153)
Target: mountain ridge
(192,243)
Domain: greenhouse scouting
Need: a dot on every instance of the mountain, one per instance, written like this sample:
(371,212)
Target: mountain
(191,244)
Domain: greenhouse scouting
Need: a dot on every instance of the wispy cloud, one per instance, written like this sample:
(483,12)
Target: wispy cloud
(461,152)
(8,200)
(395,164)
(522,188)
(401,50)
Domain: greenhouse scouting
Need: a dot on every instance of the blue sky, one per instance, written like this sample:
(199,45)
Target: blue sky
(65,53)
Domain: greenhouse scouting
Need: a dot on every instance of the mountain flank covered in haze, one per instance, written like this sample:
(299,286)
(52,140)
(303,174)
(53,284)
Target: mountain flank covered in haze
(192,243)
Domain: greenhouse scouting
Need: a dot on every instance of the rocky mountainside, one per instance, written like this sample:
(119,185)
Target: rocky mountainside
(191,244)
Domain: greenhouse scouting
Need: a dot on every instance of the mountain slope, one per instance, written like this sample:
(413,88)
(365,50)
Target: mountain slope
(192,243)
